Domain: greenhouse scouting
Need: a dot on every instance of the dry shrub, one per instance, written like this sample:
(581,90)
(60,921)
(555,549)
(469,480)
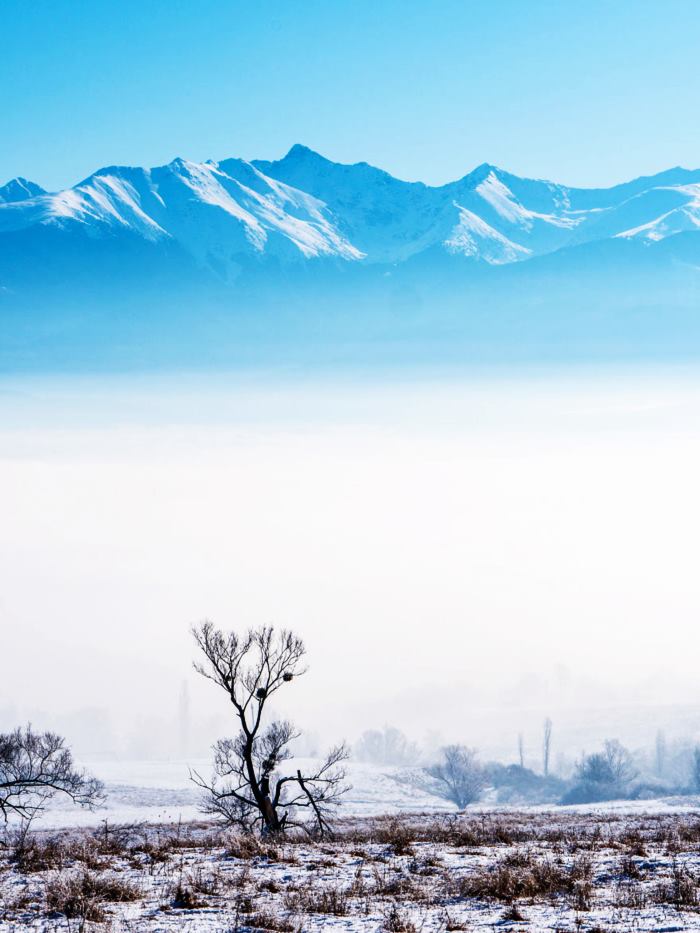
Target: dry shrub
(389,883)
(184,897)
(266,919)
(630,869)
(513,915)
(32,855)
(680,891)
(397,834)
(84,895)
(452,924)
(630,895)
(531,878)
(398,921)
(248,847)
(329,900)
(633,840)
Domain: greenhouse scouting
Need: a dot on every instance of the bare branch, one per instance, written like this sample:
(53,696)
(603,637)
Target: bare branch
(34,766)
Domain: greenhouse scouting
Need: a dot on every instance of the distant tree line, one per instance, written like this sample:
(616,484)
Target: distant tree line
(613,772)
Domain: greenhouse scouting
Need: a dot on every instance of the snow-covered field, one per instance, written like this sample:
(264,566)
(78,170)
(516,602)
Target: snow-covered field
(162,792)
(518,870)
(401,861)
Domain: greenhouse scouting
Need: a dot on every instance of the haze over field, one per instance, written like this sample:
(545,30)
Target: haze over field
(462,556)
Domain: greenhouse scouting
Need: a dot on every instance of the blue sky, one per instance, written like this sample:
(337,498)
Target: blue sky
(584,93)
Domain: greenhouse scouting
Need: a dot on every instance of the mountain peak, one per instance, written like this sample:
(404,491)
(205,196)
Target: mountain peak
(300,153)
(19,189)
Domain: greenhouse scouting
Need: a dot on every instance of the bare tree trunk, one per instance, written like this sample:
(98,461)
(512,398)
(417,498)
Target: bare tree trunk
(546,745)
(521,750)
(660,753)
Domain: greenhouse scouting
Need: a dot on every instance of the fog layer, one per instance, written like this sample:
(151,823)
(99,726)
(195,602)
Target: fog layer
(460,555)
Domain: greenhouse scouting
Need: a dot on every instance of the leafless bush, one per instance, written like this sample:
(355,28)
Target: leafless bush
(389,883)
(248,847)
(331,899)
(267,919)
(530,878)
(185,897)
(397,920)
(680,891)
(83,896)
(396,833)
(630,895)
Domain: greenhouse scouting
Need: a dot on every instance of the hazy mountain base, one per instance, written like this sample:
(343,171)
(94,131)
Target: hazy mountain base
(602,301)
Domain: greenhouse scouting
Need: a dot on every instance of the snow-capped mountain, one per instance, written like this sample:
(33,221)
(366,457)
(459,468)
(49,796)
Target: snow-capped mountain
(489,214)
(215,212)
(304,208)
(19,189)
(231,261)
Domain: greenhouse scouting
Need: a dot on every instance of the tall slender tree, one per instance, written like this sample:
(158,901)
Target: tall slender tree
(546,745)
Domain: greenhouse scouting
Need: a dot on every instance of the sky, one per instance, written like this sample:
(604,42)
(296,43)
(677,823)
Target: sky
(583,93)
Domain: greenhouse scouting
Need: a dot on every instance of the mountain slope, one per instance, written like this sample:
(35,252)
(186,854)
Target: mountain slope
(19,189)
(234,260)
(226,216)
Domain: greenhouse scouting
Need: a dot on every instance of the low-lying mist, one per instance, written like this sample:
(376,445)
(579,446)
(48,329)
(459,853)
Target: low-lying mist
(463,556)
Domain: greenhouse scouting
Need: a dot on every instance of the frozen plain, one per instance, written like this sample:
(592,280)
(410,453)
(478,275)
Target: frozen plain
(402,861)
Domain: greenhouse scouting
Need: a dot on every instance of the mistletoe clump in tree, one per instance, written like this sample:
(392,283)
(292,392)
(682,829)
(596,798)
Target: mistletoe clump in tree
(249,788)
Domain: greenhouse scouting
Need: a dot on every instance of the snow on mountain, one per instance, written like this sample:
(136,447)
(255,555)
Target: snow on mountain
(474,237)
(217,213)
(19,189)
(305,207)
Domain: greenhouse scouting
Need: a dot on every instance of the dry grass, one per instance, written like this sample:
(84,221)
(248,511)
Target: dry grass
(83,895)
(524,876)
(590,871)
(333,900)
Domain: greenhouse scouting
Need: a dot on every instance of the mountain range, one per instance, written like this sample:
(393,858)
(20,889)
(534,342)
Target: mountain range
(345,244)
(305,207)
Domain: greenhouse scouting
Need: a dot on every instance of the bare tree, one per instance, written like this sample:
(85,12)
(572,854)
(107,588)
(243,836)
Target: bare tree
(612,768)
(546,745)
(660,753)
(459,777)
(619,761)
(521,750)
(34,767)
(696,769)
(387,746)
(251,668)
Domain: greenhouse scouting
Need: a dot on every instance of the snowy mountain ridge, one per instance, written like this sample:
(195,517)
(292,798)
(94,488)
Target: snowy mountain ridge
(305,207)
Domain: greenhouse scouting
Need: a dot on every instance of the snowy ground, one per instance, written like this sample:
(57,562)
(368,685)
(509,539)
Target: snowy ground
(402,861)
(162,792)
(556,871)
